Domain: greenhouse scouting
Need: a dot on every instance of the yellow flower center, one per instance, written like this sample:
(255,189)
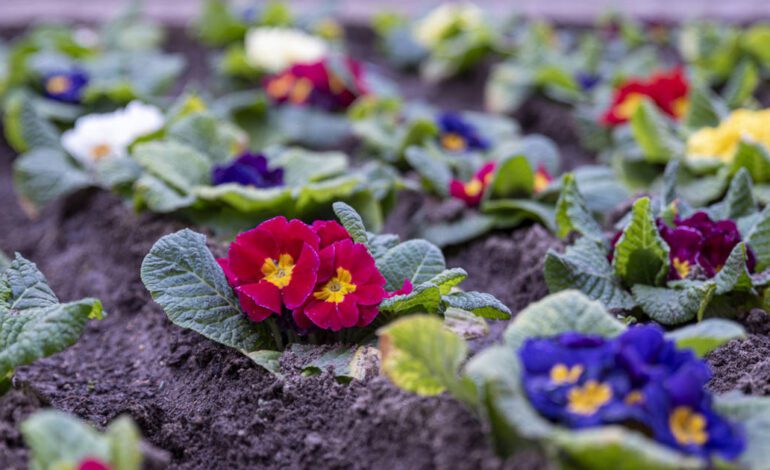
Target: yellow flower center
(453,141)
(281,86)
(680,106)
(100,151)
(473,187)
(561,374)
(682,267)
(337,288)
(587,400)
(629,105)
(301,90)
(634,397)
(541,182)
(278,274)
(58,84)
(687,426)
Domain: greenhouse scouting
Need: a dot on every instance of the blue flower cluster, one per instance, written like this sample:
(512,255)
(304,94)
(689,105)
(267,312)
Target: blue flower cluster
(458,135)
(638,379)
(248,170)
(65,85)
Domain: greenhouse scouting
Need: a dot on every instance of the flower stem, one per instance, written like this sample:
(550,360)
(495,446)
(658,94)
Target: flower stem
(277,336)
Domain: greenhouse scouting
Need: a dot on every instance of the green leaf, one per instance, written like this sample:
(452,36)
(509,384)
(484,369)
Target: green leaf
(705,336)
(348,362)
(158,196)
(755,158)
(183,277)
(641,255)
(351,221)
(560,313)
(573,215)
(425,298)
(753,413)
(734,275)
(448,279)
(25,129)
(704,108)
(465,324)
(584,266)
(511,213)
(755,40)
(480,304)
(416,260)
(419,132)
(421,356)
(758,239)
(453,233)
(44,174)
(651,132)
(217,25)
(33,324)
(125,444)
(512,177)
(180,165)
(673,306)
(213,137)
(742,83)
(59,440)
(431,168)
(267,359)
(739,201)
(303,166)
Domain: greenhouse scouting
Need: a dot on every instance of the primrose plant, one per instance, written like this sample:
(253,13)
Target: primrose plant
(33,322)
(481,172)
(588,390)
(286,284)
(57,73)
(57,440)
(448,40)
(668,261)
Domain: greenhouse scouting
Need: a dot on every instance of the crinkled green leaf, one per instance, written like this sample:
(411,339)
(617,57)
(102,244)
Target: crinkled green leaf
(181,166)
(742,83)
(352,222)
(425,298)
(33,324)
(734,275)
(560,313)
(44,174)
(584,266)
(512,212)
(448,279)
(348,362)
(158,196)
(479,303)
(707,335)
(573,215)
(25,129)
(213,137)
(641,255)
(431,168)
(416,260)
(465,324)
(513,177)
(704,108)
(758,239)
(183,277)
(673,306)
(303,166)
(420,355)
(755,158)
(739,201)
(651,132)
(125,444)
(217,25)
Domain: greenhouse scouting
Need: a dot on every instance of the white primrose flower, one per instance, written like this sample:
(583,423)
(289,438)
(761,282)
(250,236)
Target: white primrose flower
(98,137)
(442,21)
(275,49)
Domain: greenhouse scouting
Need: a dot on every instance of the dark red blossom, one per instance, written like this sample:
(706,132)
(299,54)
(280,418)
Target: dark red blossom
(319,84)
(472,191)
(329,231)
(667,90)
(348,292)
(272,266)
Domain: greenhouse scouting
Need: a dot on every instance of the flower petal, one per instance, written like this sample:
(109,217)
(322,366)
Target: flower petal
(303,278)
(259,300)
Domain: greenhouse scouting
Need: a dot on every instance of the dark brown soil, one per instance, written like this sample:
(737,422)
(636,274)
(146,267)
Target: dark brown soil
(744,364)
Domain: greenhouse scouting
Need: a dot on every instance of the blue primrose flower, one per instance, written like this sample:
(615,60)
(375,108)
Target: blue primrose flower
(249,170)
(458,135)
(638,379)
(587,80)
(65,85)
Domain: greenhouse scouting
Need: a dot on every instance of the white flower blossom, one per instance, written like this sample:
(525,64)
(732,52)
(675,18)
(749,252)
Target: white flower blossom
(275,49)
(98,137)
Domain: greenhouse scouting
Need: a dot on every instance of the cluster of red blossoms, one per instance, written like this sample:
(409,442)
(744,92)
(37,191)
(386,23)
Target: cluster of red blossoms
(318,84)
(316,272)
(668,91)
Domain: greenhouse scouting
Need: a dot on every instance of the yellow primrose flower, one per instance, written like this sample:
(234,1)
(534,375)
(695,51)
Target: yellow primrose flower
(722,141)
